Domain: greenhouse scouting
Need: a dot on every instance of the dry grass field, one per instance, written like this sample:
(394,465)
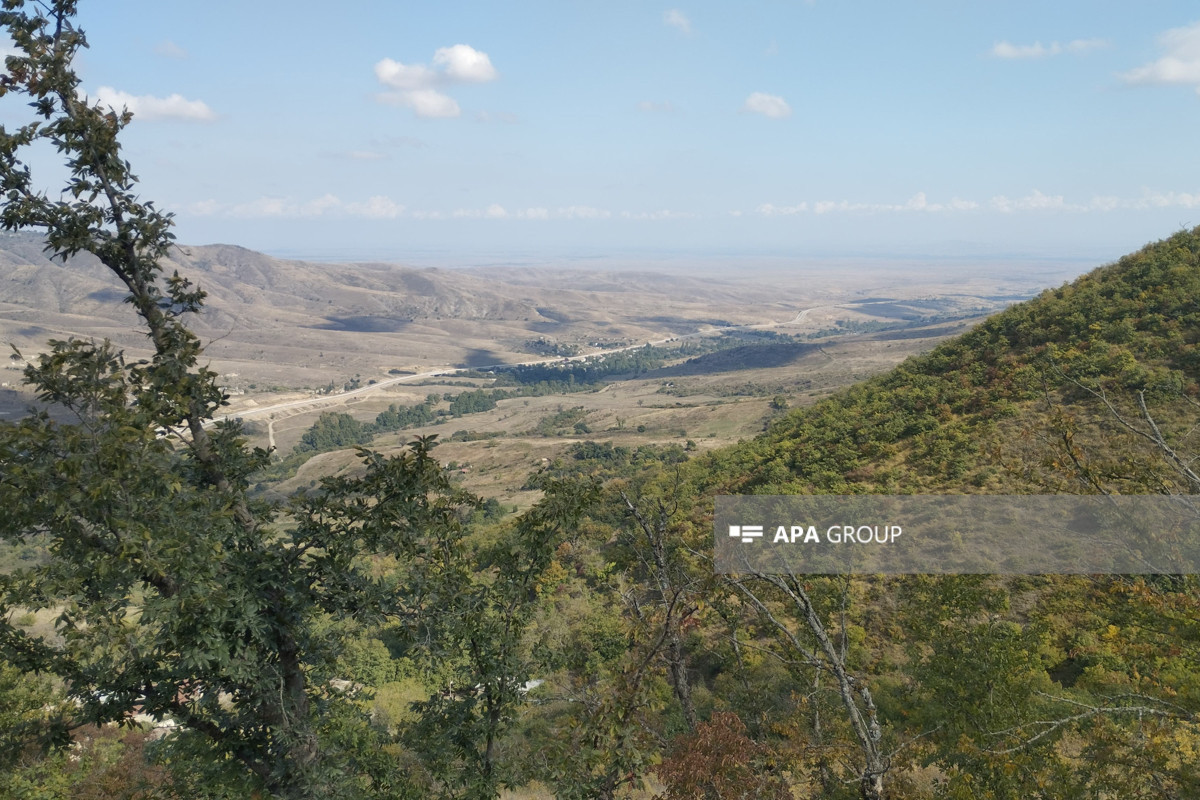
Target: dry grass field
(674,405)
(280,331)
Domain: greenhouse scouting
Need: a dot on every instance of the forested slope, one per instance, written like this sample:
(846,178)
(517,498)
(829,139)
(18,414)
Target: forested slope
(988,686)
(949,421)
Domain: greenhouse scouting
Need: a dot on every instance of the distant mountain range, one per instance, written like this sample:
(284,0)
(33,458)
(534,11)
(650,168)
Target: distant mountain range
(294,322)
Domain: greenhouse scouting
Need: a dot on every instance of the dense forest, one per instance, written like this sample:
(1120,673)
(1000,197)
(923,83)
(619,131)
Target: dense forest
(167,632)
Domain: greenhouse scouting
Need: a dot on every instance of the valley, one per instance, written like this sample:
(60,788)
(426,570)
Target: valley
(292,340)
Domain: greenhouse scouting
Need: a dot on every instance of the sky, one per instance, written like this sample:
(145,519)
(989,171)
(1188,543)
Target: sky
(405,130)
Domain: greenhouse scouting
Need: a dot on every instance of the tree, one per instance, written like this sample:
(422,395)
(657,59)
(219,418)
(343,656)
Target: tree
(176,592)
(654,539)
(785,604)
(719,760)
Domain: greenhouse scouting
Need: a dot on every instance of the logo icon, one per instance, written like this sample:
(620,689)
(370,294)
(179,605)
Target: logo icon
(747,533)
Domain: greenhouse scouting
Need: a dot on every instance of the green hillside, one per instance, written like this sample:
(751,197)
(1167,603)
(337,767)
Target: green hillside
(953,420)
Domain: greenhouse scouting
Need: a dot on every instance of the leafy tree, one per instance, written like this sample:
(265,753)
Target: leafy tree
(176,593)
(719,760)
(334,430)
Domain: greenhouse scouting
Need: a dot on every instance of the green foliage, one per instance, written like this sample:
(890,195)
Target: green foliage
(549,347)
(399,417)
(562,420)
(175,593)
(333,431)
(102,764)
(472,402)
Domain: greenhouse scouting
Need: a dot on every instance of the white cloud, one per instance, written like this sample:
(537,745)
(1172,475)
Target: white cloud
(1180,64)
(168,49)
(1165,200)
(149,107)
(462,62)
(1038,50)
(656,107)
(677,19)
(327,205)
(376,207)
(582,212)
(1084,45)
(1034,201)
(1009,50)
(958,204)
(497,211)
(431,104)
(283,208)
(404,76)
(1037,201)
(365,155)
(494,211)
(769,210)
(416,85)
(918,202)
(768,105)
(657,215)
(316,208)
(825,206)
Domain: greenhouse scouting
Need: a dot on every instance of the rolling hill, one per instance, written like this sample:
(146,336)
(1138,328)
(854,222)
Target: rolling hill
(982,412)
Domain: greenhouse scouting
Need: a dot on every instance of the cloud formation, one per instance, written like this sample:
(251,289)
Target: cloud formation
(655,216)
(917,203)
(1009,50)
(770,210)
(149,107)
(497,211)
(769,105)
(1034,202)
(418,86)
(381,207)
(677,19)
(1179,65)
(463,63)
(327,205)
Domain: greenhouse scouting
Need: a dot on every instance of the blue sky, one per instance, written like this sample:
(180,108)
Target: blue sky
(810,128)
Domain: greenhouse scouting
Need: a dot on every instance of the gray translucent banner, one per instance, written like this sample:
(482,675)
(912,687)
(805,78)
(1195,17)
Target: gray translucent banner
(957,534)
